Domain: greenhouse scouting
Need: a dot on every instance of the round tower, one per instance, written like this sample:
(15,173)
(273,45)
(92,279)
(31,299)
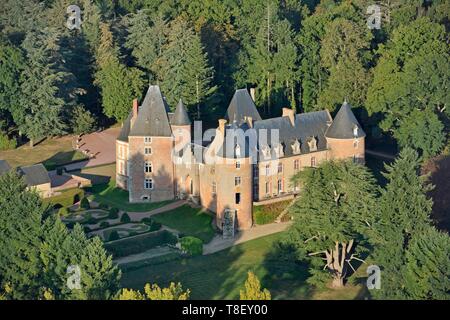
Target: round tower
(181,127)
(345,136)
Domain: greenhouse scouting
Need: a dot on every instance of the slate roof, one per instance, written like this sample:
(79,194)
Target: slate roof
(344,123)
(180,117)
(4,167)
(307,125)
(246,144)
(35,174)
(152,119)
(125,131)
(242,105)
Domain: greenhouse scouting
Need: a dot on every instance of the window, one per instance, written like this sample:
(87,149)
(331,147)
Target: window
(296,164)
(148,184)
(255,171)
(313,161)
(238,198)
(238,164)
(214,188)
(296,147)
(280,168)
(280,186)
(147,150)
(148,167)
(355,131)
(267,170)
(237,150)
(237,181)
(148,140)
(356,143)
(267,188)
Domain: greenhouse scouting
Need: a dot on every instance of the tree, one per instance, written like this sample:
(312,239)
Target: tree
(184,71)
(154,292)
(404,211)
(428,266)
(20,217)
(82,121)
(253,289)
(331,218)
(118,84)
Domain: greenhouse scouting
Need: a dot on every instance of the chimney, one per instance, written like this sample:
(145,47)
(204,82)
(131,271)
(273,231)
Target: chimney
(135,108)
(288,112)
(249,121)
(253,94)
(222,123)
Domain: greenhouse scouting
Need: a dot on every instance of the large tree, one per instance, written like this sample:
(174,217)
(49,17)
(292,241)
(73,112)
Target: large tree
(332,217)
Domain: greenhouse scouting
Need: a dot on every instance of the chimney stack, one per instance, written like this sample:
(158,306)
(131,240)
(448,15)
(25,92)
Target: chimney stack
(253,94)
(135,108)
(222,123)
(288,112)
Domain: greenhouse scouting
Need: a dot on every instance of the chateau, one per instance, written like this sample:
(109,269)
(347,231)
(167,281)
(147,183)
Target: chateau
(245,161)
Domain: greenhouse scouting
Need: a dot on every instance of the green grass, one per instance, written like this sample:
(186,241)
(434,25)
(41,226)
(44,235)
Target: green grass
(268,213)
(222,275)
(51,152)
(67,198)
(118,198)
(189,221)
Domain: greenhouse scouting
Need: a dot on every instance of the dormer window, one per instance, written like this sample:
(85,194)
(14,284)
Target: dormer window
(312,143)
(296,147)
(279,150)
(237,150)
(148,140)
(266,151)
(355,131)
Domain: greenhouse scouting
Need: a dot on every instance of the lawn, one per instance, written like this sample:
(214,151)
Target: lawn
(189,221)
(222,275)
(118,198)
(268,213)
(51,152)
(98,174)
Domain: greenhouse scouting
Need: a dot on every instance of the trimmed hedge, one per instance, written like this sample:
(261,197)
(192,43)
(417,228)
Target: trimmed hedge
(114,235)
(113,213)
(84,204)
(67,198)
(192,246)
(125,218)
(141,243)
(268,213)
(154,226)
(104,224)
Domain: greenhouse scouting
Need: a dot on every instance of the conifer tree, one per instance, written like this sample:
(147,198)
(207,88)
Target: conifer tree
(253,289)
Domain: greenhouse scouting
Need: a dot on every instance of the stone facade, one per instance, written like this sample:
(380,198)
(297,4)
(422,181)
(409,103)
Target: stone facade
(157,161)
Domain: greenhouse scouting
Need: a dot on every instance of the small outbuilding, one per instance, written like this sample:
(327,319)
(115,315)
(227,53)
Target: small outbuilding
(36,177)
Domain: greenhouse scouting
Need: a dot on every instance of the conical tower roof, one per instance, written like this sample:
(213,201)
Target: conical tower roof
(345,125)
(180,117)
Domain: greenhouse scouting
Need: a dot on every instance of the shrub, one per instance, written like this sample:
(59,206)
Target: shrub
(84,204)
(142,243)
(268,213)
(125,218)
(86,229)
(62,212)
(103,206)
(192,246)
(70,225)
(155,226)
(104,224)
(6,143)
(114,235)
(113,213)
(147,221)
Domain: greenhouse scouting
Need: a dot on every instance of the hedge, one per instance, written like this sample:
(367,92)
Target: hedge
(84,204)
(268,213)
(67,198)
(114,235)
(113,213)
(125,218)
(192,246)
(141,243)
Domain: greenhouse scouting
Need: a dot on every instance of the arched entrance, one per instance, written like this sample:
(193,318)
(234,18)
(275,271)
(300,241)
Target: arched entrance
(189,185)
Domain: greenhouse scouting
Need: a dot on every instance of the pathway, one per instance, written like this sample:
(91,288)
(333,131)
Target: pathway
(138,216)
(380,154)
(151,253)
(219,244)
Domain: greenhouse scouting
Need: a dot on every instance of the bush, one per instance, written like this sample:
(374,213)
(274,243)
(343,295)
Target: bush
(192,246)
(113,213)
(103,206)
(141,243)
(147,221)
(86,229)
(91,220)
(66,199)
(6,143)
(70,225)
(268,213)
(62,212)
(155,226)
(84,204)
(114,235)
(125,218)
(104,224)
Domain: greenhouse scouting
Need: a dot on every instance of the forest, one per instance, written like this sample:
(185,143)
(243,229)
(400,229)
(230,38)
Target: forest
(300,54)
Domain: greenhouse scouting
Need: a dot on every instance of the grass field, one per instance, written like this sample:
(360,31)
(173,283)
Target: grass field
(98,174)
(118,198)
(189,221)
(51,152)
(222,275)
